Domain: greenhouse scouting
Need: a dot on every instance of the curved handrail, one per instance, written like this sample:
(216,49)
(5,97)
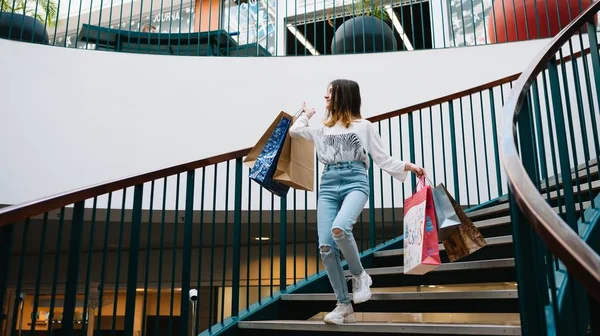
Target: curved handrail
(579,258)
(20,212)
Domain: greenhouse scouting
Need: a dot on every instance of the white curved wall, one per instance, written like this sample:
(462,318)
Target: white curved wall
(70,118)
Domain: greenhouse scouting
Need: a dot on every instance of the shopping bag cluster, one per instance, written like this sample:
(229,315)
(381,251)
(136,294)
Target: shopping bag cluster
(279,162)
(431,216)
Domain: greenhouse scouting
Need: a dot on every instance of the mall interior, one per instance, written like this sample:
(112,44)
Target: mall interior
(128,206)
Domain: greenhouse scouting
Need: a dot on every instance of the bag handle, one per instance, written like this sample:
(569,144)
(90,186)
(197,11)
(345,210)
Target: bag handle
(297,114)
(420,184)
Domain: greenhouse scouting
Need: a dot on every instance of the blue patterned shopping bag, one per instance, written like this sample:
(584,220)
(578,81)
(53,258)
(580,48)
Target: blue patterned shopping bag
(266,163)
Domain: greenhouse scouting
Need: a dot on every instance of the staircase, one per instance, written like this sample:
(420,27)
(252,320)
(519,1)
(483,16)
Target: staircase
(449,300)
(493,266)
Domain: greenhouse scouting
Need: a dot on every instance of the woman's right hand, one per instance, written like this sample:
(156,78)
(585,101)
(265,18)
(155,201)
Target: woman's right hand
(419,171)
(308,112)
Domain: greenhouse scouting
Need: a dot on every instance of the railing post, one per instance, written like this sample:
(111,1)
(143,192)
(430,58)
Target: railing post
(372,241)
(57,258)
(73,268)
(454,155)
(186,271)
(495,137)
(540,132)
(563,149)
(532,287)
(574,290)
(411,144)
(19,296)
(283,244)
(237,239)
(591,26)
(6,239)
(134,249)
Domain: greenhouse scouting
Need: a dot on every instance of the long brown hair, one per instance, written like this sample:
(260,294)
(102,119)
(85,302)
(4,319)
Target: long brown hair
(344,103)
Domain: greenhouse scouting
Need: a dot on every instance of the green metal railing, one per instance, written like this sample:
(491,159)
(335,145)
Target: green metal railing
(123,255)
(551,128)
(280,28)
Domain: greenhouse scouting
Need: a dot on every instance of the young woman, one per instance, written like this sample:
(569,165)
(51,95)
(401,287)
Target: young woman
(343,143)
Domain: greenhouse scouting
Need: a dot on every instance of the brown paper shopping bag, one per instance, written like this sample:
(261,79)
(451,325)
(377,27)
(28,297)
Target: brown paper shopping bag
(296,165)
(466,239)
(255,151)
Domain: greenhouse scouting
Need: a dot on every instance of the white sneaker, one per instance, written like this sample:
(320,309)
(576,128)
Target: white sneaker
(361,291)
(343,313)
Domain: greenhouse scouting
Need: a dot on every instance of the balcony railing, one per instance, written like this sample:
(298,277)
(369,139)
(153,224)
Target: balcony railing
(281,27)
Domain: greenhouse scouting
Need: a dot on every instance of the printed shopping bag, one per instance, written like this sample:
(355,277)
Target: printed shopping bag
(466,239)
(421,248)
(446,216)
(265,164)
(250,159)
(296,165)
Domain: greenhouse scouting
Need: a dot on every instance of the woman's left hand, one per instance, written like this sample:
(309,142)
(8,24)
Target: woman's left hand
(308,112)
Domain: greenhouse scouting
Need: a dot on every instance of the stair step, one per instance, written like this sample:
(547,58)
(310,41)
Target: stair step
(494,241)
(385,328)
(580,174)
(446,302)
(583,188)
(489,211)
(486,223)
(505,220)
(504,206)
(456,266)
(394,296)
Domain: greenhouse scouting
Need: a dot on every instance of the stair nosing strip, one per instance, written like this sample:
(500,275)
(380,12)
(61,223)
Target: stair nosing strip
(375,327)
(492,241)
(401,296)
(447,267)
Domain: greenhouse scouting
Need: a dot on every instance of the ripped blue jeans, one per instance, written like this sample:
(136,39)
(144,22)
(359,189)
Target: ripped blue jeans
(343,192)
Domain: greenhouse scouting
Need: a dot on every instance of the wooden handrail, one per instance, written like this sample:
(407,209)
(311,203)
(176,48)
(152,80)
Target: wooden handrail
(582,262)
(20,212)
(464,93)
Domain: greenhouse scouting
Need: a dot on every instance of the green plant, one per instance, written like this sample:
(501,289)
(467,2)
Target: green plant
(42,10)
(359,8)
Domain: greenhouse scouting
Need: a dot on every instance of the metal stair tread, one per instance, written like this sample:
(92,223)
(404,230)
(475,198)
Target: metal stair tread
(505,206)
(386,328)
(445,267)
(398,296)
(583,187)
(493,241)
(576,173)
(488,211)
